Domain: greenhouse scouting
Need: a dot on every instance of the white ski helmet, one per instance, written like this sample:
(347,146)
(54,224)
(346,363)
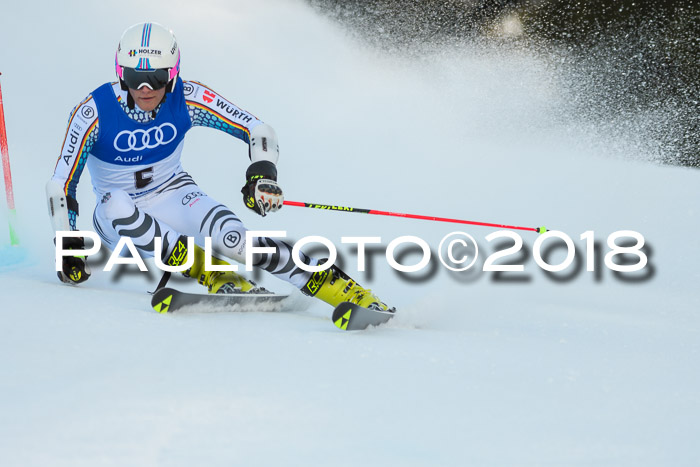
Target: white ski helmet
(148,55)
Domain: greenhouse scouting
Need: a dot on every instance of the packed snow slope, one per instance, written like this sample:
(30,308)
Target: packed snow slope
(477,368)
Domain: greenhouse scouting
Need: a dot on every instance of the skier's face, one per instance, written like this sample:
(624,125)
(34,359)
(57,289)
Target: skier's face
(146,98)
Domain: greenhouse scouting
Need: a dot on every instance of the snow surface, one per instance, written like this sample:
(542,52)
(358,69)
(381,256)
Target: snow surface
(474,370)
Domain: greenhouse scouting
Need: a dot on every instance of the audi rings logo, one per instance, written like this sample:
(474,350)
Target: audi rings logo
(138,140)
(191,196)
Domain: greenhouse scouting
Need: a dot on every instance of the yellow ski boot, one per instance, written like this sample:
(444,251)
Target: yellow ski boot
(219,282)
(333,286)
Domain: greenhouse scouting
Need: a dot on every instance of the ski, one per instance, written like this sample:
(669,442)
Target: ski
(350,317)
(167,300)
(346,316)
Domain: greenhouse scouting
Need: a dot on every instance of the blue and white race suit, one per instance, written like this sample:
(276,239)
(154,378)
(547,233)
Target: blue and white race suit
(141,189)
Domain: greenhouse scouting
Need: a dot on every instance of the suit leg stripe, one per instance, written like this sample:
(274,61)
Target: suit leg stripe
(211,211)
(304,259)
(177,182)
(291,267)
(140,230)
(150,246)
(127,220)
(279,263)
(166,243)
(276,257)
(266,261)
(226,215)
(177,185)
(99,230)
(229,219)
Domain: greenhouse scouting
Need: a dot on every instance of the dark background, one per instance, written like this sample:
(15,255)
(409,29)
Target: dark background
(642,54)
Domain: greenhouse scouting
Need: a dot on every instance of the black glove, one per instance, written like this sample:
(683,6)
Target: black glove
(74,268)
(261,193)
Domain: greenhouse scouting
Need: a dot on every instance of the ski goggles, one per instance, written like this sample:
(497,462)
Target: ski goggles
(154,79)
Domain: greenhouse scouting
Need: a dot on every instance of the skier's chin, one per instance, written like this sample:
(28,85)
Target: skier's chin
(147,99)
(147,103)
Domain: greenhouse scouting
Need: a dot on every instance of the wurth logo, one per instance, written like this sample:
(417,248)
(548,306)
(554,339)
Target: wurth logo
(208,96)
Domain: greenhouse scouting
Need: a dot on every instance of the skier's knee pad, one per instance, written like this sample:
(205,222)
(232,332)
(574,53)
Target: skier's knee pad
(116,205)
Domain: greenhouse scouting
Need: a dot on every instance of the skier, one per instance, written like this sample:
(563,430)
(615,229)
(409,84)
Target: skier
(130,135)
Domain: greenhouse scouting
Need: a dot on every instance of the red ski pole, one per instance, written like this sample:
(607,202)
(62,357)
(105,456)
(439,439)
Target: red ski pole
(14,239)
(410,216)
